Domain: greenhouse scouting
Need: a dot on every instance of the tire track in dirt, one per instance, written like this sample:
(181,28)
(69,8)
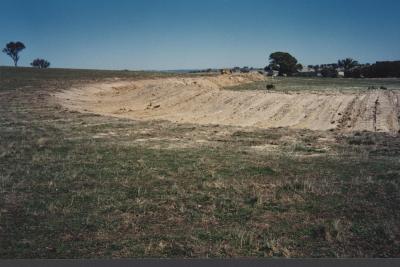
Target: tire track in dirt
(386,112)
(345,121)
(375,111)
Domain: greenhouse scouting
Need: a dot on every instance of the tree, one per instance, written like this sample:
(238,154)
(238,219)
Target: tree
(12,49)
(40,63)
(329,72)
(299,66)
(381,69)
(284,63)
(347,63)
(316,68)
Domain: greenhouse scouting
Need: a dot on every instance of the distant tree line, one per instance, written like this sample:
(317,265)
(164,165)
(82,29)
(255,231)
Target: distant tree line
(353,69)
(284,64)
(382,69)
(244,69)
(12,49)
(281,63)
(332,70)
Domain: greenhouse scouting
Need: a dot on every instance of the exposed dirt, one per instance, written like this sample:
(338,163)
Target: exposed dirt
(201,100)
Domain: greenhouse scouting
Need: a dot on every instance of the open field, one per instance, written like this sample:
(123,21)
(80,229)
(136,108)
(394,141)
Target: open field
(322,85)
(90,183)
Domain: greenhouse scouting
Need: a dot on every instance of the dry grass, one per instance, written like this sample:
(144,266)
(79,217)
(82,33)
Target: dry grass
(321,85)
(82,186)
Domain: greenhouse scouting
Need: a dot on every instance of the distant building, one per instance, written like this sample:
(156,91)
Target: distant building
(225,71)
(307,69)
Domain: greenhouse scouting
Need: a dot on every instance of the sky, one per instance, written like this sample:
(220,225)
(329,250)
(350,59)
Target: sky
(197,34)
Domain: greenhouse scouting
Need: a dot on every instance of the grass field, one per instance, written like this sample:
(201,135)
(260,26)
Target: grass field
(348,85)
(77,185)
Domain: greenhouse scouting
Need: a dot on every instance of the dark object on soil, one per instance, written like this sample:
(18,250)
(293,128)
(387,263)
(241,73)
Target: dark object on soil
(270,86)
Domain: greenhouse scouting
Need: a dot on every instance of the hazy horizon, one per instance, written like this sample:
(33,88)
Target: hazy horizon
(184,35)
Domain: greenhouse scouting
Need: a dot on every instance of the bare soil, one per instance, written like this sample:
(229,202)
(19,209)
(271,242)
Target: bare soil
(203,100)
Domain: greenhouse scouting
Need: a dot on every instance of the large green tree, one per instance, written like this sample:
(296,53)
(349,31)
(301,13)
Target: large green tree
(283,62)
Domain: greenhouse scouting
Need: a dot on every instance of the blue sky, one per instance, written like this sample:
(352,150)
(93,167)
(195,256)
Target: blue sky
(178,34)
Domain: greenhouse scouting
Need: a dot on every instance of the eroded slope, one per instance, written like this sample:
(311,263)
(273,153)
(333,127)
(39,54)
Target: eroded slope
(201,100)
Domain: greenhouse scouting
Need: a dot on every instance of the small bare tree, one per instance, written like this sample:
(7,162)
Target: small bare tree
(12,49)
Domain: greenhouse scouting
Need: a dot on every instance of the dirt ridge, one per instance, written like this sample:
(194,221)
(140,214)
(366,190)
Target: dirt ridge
(202,100)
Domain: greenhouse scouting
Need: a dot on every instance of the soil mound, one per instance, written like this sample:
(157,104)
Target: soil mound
(201,100)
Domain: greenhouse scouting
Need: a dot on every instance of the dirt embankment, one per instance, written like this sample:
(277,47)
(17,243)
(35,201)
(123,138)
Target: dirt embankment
(201,100)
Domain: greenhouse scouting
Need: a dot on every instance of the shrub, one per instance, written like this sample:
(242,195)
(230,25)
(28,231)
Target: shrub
(40,63)
(270,86)
(329,73)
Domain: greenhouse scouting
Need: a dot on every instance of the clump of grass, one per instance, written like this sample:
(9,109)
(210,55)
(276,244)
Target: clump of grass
(270,86)
(361,139)
(258,170)
(299,147)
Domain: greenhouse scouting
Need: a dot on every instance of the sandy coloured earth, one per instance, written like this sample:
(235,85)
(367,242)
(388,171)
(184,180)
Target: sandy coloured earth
(202,100)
